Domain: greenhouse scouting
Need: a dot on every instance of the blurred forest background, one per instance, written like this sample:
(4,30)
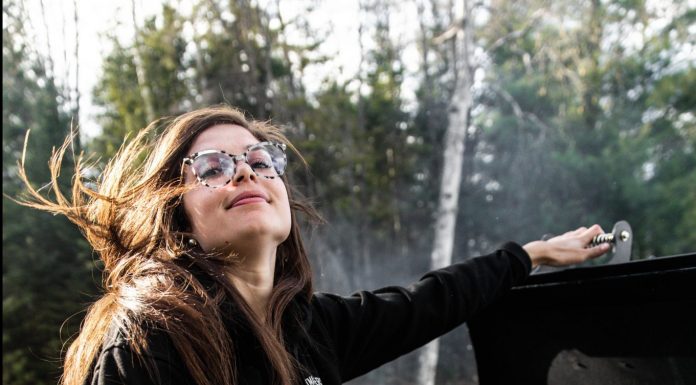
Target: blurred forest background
(583,112)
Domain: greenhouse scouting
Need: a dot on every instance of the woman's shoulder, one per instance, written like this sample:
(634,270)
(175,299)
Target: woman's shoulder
(147,359)
(151,340)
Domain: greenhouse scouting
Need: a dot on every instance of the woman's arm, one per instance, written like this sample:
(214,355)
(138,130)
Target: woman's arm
(369,329)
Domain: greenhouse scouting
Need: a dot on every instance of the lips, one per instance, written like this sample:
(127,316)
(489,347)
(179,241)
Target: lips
(248,197)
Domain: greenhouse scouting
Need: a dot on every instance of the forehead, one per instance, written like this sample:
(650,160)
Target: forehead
(231,138)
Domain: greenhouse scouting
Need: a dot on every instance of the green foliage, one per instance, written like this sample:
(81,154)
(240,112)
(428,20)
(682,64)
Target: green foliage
(598,131)
(129,94)
(119,90)
(46,265)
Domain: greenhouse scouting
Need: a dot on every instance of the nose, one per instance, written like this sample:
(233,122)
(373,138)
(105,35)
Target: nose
(243,172)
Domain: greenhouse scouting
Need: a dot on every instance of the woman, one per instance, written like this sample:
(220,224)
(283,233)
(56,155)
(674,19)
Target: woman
(207,280)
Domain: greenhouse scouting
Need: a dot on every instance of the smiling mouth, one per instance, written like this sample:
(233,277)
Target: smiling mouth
(248,200)
(248,197)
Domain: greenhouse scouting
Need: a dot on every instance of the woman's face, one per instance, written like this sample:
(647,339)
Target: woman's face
(249,213)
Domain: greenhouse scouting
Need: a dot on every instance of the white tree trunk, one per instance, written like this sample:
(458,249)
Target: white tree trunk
(451,179)
(140,72)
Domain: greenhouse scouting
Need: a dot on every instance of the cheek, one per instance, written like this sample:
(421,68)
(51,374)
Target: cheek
(288,218)
(285,208)
(188,209)
(194,208)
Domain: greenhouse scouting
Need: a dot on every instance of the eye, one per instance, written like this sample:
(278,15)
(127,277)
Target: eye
(259,159)
(260,164)
(210,172)
(209,167)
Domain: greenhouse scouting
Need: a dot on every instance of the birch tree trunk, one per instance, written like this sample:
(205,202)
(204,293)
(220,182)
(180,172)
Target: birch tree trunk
(76,90)
(140,71)
(49,51)
(362,263)
(453,154)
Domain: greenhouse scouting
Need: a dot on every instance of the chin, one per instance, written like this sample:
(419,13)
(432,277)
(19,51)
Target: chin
(258,236)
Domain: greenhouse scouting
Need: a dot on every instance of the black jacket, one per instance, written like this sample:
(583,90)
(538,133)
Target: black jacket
(341,338)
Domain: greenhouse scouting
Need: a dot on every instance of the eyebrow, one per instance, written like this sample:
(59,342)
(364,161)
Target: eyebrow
(246,148)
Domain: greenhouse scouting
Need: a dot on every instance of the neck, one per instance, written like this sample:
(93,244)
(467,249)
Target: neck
(253,277)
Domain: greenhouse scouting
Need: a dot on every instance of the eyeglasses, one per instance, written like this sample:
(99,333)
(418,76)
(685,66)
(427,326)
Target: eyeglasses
(216,168)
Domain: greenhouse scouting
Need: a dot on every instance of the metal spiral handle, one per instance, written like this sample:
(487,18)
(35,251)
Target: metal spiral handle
(610,238)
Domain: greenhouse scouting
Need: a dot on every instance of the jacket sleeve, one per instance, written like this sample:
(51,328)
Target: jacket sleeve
(369,329)
(118,365)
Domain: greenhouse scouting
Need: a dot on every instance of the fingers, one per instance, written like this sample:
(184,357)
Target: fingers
(587,235)
(580,230)
(577,231)
(596,251)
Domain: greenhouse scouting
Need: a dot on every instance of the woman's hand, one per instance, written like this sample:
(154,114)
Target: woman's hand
(567,249)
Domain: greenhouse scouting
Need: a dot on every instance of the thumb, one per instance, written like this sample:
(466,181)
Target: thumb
(596,251)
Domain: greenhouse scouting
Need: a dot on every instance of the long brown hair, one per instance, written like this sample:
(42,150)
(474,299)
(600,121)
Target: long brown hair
(134,220)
